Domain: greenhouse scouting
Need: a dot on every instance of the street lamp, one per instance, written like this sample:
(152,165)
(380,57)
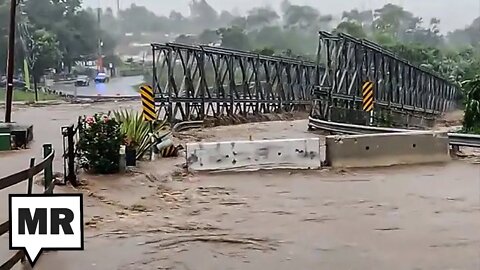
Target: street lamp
(10,62)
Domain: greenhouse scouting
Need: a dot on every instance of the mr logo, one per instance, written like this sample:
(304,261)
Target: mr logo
(45,222)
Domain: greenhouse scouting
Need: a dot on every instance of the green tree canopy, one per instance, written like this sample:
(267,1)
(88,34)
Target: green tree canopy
(235,38)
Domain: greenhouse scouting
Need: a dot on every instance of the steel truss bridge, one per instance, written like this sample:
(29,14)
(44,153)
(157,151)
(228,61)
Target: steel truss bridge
(196,82)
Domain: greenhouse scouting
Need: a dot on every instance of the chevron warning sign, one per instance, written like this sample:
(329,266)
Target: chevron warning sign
(367,91)
(148,103)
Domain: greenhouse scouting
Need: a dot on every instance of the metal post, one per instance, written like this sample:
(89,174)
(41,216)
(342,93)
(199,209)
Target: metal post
(64,156)
(100,42)
(154,72)
(48,172)
(72,177)
(455,150)
(10,62)
(123,161)
(75,94)
(152,152)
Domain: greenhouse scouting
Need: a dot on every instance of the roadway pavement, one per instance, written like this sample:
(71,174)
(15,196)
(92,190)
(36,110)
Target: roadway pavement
(117,87)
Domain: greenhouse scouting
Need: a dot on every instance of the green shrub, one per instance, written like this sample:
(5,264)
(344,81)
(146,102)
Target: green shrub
(99,144)
(471,121)
(138,133)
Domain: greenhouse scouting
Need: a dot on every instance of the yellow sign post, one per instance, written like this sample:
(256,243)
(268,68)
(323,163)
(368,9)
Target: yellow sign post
(148,103)
(367,91)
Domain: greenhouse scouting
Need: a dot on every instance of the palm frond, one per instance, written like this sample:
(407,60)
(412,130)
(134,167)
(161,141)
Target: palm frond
(139,133)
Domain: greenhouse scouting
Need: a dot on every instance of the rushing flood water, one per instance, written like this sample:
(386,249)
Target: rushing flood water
(408,217)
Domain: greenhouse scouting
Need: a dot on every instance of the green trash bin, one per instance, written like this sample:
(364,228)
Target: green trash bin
(5,143)
(4,129)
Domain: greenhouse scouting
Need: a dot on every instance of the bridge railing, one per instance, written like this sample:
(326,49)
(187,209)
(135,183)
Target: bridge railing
(398,84)
(196,82)
(46,165)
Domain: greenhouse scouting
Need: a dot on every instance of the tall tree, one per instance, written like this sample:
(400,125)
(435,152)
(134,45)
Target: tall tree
(178,23)
(352,28)
(261,17)
(137,19)
(225,18)
(44,53)
(300,17)
(235,38)
(240,22)
(364,18)
(202,14)
(395,21)
(185,39)
(325,22)
(208,37)
(76,30)
(4,8)
(470,36)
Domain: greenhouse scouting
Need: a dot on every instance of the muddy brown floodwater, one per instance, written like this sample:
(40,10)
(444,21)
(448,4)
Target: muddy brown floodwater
(161,217)
(398,218)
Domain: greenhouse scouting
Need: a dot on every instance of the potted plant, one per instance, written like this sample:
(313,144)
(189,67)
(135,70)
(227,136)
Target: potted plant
(130,152)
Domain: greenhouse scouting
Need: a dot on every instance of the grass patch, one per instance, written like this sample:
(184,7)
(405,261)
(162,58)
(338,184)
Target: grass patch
(27,96)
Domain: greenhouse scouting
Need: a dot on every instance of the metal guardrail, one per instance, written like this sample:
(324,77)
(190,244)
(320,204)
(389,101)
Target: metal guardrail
(182,126)
(468,140)
(378,103)
(456,139)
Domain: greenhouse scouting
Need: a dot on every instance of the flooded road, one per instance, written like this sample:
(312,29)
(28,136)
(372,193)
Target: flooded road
(399,218)
(47,123)
(160,217)
(117,87)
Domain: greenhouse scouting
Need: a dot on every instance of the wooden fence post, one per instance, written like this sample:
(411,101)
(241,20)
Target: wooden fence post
(29,191)
(48,172)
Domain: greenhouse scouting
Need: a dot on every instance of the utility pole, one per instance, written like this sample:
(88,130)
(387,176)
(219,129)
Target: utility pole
(118,7)
(100,42)
(10,62)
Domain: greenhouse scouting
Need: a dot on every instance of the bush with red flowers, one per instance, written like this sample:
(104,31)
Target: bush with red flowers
(99,144)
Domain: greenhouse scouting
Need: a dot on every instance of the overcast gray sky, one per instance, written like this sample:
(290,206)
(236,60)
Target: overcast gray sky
(453,13)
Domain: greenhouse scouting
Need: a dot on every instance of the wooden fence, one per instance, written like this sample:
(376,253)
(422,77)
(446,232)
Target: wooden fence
(46,165)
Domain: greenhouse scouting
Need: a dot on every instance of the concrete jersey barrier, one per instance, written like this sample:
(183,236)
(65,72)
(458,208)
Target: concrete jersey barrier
(254,155)
(376,150)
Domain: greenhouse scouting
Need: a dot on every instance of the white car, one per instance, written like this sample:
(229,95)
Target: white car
(82,81)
